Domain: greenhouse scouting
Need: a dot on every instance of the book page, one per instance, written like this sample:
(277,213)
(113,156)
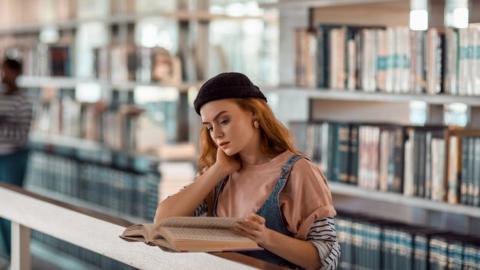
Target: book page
(138,232)
(199,222)
(205,234)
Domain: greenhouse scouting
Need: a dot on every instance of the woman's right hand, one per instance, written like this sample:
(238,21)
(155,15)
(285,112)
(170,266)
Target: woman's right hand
(226,164)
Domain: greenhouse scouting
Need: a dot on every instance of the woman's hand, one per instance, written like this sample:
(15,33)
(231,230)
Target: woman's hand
(254,228)
(226,164)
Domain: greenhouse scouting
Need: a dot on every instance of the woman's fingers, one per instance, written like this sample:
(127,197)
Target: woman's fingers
(257,218)
(253,225)
(246,232)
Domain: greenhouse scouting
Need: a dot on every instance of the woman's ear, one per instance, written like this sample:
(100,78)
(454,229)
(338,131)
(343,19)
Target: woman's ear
(255,122)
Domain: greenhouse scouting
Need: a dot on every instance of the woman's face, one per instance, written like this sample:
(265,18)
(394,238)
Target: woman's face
(229,126)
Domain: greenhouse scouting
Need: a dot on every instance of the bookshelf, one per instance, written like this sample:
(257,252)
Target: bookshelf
(89,171)
(354,106)
(317,3)
(409,202)
(90,175)
(340,95)
(190,26)
(39,83)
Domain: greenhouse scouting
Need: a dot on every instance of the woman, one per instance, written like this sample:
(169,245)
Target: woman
(251,170)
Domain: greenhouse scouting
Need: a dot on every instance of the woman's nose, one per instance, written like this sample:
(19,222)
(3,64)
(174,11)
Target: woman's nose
(217,132)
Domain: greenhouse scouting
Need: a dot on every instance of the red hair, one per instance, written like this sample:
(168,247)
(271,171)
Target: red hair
(274,136)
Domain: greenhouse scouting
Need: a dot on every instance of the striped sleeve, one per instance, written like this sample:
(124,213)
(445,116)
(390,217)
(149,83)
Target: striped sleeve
(201,210)
(15,119)
(323,236)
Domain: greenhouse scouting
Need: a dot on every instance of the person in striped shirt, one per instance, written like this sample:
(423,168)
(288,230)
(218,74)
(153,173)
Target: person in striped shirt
(250,169)
(15,120)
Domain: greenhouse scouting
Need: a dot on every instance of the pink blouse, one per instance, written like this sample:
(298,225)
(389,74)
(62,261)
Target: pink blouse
(305,198)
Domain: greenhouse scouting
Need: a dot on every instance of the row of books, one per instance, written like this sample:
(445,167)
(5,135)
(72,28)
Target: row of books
(128,62)
(43,60)
(369,243)
(119,124)
(434,162)
(391,59)
(113,63)
(125,184)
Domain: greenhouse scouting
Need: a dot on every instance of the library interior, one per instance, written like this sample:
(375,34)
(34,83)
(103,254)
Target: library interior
(98,127)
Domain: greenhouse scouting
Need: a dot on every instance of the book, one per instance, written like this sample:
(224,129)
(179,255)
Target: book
(194,234)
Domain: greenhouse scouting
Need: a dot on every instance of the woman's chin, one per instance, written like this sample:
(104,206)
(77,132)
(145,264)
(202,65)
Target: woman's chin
(229,152)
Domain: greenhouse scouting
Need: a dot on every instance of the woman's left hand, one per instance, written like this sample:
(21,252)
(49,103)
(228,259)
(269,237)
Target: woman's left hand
(254,228)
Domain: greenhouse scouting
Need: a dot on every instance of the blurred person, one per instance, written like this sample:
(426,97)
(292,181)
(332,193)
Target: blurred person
(15,120)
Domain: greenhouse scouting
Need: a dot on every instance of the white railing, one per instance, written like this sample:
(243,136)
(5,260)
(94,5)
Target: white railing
(98,233)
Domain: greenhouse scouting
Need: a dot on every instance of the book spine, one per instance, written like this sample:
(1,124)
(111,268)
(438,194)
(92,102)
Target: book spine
(343,150)
(428,166)
(454,152)
(476,186)
(399,142)
(471,171)
(465,171)
(332,151)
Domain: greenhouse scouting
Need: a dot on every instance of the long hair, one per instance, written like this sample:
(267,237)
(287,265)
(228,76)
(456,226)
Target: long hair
(274,136)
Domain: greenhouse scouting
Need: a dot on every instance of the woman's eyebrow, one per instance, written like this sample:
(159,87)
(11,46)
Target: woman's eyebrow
(216,116)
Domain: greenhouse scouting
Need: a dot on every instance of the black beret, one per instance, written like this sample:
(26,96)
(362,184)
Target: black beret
(226,85)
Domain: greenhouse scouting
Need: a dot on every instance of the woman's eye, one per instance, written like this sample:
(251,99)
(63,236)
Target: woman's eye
(224,122)
(209,129)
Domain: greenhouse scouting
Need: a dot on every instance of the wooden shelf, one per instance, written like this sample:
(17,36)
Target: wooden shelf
(58,82)
(81,203)
(399,199)
(181,152)
(347,95)
(94,152)
(319,3)
(65,141)
(184,87)
(71,83)
(132,18)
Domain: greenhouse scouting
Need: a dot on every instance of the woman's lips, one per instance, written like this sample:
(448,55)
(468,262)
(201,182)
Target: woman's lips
(223,144)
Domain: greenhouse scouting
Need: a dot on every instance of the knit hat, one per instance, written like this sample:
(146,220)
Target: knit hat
(226,85)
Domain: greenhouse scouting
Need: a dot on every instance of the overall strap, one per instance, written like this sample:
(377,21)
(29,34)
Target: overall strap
(285,173)
(273,215)
(216,194)
(270,210)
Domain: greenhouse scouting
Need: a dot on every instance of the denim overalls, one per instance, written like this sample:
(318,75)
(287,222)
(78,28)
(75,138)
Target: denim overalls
(271,212)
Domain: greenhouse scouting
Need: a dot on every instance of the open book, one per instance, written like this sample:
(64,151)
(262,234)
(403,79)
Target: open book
(203,234)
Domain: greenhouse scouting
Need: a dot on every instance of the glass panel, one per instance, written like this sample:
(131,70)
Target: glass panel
(456,114)
(89,36)
(160,104)
(157,32)
(92,9)
(248,46)
(149,6)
